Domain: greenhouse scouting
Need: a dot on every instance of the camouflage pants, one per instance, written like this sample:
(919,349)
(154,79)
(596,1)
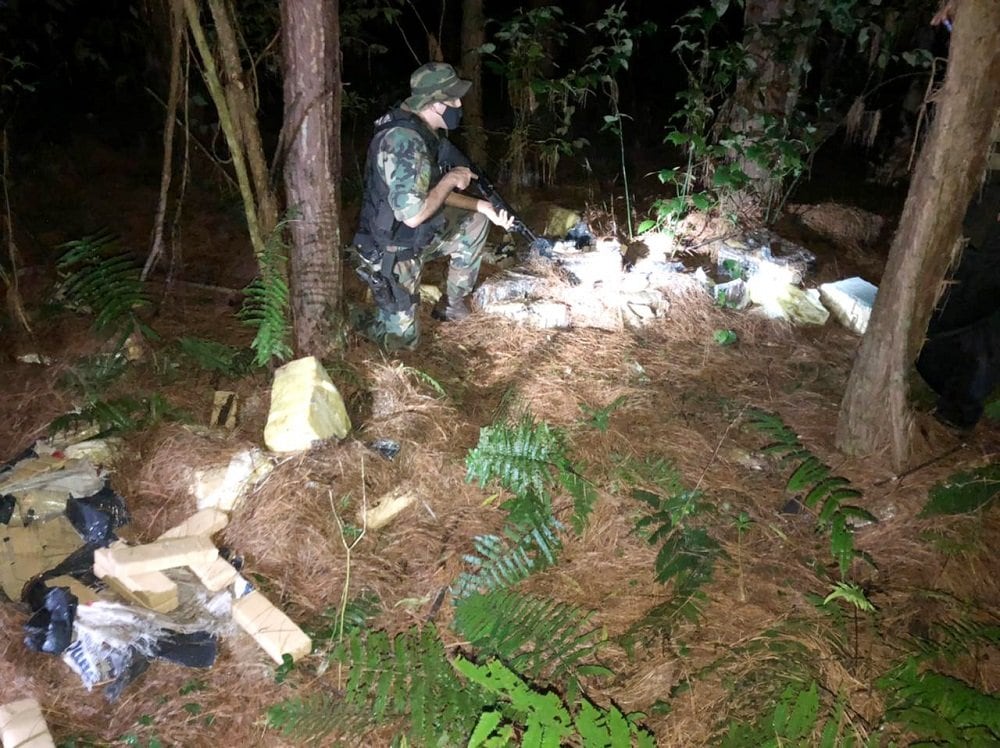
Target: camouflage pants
(462,239)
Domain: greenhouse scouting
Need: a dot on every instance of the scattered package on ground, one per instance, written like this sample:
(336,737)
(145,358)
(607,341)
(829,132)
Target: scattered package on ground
(23,726)
(305,407)
(850,301)
(224,487)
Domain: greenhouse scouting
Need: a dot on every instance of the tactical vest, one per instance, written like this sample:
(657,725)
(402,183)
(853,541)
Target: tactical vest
(377,225)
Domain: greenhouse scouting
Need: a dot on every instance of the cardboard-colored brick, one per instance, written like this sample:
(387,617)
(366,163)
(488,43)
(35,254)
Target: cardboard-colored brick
(162,554)
(216,575)
(275,632)
(305,407)
(153,590)
(23,726)
(204,523)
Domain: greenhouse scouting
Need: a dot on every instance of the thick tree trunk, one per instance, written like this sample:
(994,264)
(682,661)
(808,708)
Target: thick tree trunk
(875,416)
(312,170)
(473,36)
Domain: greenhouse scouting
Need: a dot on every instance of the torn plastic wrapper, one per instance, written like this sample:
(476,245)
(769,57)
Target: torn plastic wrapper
(50,629)
(96,517)
(386,448)
(7,504)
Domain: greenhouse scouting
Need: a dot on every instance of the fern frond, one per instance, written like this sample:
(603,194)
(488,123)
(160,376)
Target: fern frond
(97,276)
(541,717)
(217,357)
(409,677)
(798,718)
(521,459)
(534,636)
(940,708)
(504,561)
(963,492)
(954,638)
(266,304)
(120,415)
(310,719)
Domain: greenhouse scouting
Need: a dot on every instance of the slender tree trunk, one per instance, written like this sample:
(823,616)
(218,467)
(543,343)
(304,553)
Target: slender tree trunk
(875,416)
(312,169)
(473,36)
(241,132)
(157,244)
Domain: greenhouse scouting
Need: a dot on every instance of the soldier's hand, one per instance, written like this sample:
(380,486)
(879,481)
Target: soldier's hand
(499,218)
(460,177)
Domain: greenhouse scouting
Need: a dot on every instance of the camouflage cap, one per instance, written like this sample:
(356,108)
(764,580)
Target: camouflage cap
(435,81)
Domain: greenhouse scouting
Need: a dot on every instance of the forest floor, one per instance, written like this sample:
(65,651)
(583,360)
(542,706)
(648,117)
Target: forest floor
(643,413)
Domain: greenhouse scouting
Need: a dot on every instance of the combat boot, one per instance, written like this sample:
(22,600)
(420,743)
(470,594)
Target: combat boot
(450,309)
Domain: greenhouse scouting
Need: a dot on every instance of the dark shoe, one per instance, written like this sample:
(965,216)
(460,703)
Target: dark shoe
(452,310)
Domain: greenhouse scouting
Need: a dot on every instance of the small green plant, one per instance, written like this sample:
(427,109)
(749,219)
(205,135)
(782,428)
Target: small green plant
(533,636)
(529,459)
(501,562)
(725,337)
(798,719)
(120,415)
(600,418)
(99,277)
(215,357)
(940,709)
(813,481)
(964,492)
(266,306)
(541,718)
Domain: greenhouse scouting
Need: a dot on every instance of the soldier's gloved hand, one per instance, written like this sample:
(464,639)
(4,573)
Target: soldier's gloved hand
(459,177)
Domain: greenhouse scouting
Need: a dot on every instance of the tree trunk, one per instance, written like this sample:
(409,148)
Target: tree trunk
(771,90)
(473,36)
(875,416)
(310,32)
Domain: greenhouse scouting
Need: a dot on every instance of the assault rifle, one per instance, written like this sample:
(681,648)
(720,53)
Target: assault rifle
(451,157)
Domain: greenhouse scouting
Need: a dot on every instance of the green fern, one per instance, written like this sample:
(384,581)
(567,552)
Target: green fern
(409,678)
(311,719)
(821,492)
(266,306)
(541,718)
(687,554)
(220,358)
(953,638)
(120,415)
(798,719)
(92,375)
(504,561)
(964,492)
(529,460)
(534,636)
(940,709)
(99,277)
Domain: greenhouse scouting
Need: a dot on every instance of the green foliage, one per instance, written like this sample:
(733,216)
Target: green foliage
(541,718)
(725,337)
(940,709)
(599,418)
(964,492)
(120,415)
(851,594)
(820,491)
(92,375)
(529,460)
(798,719)
(504,561)
(426,379)
(97,276)
(266,306)
(409,677)
(220,358)
(533,636)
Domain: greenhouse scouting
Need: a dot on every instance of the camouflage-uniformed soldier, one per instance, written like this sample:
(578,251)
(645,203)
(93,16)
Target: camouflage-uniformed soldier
(412,211)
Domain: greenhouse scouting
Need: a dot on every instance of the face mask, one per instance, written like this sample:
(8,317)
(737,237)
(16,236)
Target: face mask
(452,117)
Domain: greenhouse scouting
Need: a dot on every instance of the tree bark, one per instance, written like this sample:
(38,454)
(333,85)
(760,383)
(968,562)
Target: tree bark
(312,170)
(875,416)
(473,36)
